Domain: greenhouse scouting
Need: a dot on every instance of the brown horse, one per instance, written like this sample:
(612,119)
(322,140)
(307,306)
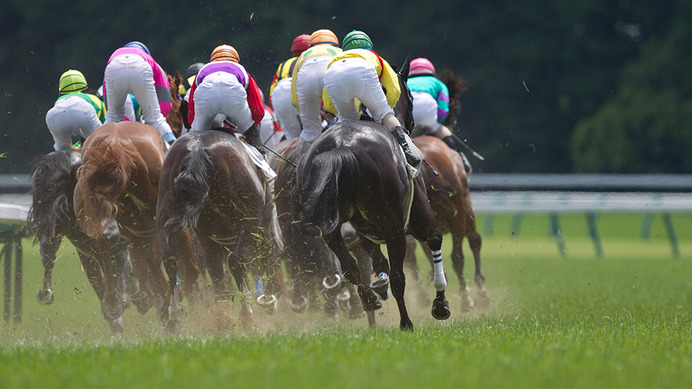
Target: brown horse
(52,218)
(210,185)
(355,172)
(450,201)
(115,203)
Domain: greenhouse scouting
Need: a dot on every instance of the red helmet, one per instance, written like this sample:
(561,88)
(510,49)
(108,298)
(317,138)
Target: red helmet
(300,44)
(421,67)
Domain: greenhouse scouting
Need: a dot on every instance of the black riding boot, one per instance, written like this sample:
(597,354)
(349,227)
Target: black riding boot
(411,159)
(252,137)
(455,145)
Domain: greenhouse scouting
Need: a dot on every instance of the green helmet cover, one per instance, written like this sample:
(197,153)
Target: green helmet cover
(356,40)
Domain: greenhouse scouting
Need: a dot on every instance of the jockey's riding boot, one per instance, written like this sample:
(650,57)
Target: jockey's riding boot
(455,145)
(411,158)
(252,137)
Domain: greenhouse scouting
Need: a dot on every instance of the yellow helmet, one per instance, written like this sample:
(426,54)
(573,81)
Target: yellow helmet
(323,36)
(72,81)
(225,53)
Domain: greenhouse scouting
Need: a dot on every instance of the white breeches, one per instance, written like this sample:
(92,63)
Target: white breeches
(309,85)
(425,111)
(268,136)
(355,78)
(221,93)
(286,113)
(130,73)
(71,116)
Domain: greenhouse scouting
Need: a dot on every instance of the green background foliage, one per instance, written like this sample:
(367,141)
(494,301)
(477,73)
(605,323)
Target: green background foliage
(561,86)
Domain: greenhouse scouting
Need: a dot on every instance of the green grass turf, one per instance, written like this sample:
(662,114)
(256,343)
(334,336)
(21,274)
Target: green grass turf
(578,321)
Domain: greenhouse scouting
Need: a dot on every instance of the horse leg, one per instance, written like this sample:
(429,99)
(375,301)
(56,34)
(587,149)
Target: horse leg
(381,268)
(396,249)
(411,267)
(171,311)
(93,272)
(49,247)
(143,299)
(458,266)
(422,224)
(351,271)
(475,241)
(114,264)
(238,269)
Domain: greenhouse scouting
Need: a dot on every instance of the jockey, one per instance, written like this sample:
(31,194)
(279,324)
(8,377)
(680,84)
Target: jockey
(133,112)
(360,73)
(190,75)
(131,69)
(308,81)
(75,113)
(223,86)
(431,104)
(280,89)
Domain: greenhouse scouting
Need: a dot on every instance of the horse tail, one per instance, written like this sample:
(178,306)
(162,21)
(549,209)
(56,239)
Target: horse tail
(53,177)
(191,187)
(105,176)
(456,86)
(318,188)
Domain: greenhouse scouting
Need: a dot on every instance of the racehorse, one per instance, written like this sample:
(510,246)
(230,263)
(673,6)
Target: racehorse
(356,172)
(210,185)
(115,203)
(450,200)
(310,263)
(52,218)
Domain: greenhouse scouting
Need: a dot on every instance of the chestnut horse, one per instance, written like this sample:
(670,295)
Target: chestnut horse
(355,172)
(210,185)
(115,203)
(450,201)
(52,216)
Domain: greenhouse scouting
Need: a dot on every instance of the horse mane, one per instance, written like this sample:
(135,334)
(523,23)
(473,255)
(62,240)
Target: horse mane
(457,86)
(175,116)
(321,207)
(191,187)
(53,179)
(105,175)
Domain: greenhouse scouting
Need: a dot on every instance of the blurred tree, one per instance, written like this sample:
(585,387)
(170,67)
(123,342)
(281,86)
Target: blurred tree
(535,69)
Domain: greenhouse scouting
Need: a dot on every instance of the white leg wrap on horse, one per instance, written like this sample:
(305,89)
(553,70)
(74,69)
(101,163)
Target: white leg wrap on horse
(438,272)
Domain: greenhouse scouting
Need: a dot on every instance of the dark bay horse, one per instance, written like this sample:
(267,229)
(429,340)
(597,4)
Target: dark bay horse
(450,201)
(310,263)
(355,172)
(210,185)
(115,203)
(52,218)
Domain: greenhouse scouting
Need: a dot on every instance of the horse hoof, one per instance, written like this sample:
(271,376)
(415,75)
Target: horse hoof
(45,297)
(381,287)
(173,327)
(268,302)
(440,309)
(117,325)
(333,284)
(298,304)
(371,303)
(344,295)
(482,298)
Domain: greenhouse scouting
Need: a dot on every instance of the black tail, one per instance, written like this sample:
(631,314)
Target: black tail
(191,187)
(318,188)
(53,177)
